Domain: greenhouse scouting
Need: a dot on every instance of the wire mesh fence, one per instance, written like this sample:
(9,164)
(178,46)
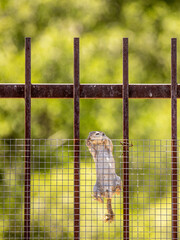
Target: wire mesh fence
(52,191)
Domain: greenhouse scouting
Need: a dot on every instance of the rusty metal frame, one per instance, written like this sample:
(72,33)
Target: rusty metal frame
(76,91)
(27,187)
(90,91)
(125,93)
(174,179)
(76,143)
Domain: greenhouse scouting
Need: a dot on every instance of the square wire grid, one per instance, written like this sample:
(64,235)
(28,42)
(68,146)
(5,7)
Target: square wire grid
(52,191)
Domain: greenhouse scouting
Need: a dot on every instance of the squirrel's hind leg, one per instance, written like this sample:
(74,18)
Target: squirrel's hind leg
(109,217)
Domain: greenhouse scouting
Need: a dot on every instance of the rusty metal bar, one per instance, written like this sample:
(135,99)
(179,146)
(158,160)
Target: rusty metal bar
(76,95)
(147,91)
(135,91)
(125,92)
(27,189)
(174,177)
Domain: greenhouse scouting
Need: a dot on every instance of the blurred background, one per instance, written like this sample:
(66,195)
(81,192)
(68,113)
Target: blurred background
(100,25)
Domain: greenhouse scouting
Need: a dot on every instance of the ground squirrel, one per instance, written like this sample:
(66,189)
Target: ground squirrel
(107,182)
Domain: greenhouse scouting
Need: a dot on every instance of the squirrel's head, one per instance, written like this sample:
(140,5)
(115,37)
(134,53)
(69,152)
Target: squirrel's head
(98,138)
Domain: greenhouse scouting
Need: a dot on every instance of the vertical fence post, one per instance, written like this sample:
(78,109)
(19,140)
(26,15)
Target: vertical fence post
(125,92)
(27,189)
(174,175)
(76,93)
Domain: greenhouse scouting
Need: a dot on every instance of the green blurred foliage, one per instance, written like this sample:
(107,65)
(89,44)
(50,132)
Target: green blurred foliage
(101,25)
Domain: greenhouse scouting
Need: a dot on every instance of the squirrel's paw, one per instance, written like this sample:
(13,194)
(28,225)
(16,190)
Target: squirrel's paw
(97,197)
(109,218)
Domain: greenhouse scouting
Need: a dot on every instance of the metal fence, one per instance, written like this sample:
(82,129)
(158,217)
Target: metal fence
(52,191)
(46,185)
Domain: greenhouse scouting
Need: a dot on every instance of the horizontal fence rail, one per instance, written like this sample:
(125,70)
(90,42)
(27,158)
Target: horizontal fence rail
(88,91)
(123,228)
